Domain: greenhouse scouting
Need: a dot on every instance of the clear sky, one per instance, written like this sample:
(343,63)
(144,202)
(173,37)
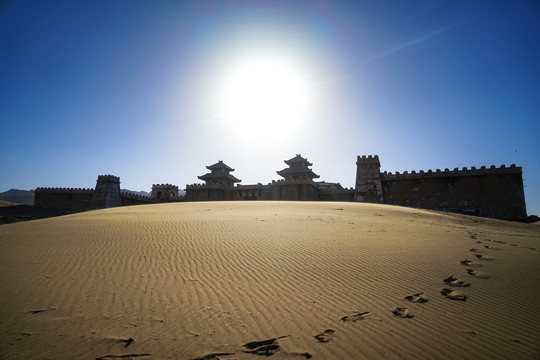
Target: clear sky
(153,91)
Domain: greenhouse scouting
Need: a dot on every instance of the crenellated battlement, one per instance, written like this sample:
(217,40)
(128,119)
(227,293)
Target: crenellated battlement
(48,190)
(109,178)
(164,186)
(204,186)
(369,159)
(293,181)
(127,194)
(473,171)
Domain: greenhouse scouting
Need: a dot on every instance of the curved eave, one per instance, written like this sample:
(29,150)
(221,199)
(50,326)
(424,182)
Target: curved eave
(210,176)
(220,165)
(298,159)
(292,171)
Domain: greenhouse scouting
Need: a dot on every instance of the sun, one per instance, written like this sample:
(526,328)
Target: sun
(264,94)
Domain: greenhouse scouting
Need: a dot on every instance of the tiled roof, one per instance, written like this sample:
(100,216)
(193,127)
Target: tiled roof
(209,176)
(298,159)
(298,170)
(220,165)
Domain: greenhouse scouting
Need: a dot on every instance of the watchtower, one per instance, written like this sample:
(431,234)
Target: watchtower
(164,192)
(368,180)
(107,192)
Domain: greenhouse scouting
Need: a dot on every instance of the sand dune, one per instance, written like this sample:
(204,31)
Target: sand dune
(233,280)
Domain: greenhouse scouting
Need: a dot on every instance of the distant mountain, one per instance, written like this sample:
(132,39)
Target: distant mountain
(18,196)
(143,193)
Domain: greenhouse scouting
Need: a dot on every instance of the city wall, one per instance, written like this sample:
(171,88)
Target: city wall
(489,192)
(495,192)
(67,199)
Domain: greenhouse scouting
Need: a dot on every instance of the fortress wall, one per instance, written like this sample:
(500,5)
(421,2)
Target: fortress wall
(489,192)
(66,199)
(337,195)
(164,192)
(291,191)
(107,193)
(204,192)
(252,192)
(368,187)
(128,199)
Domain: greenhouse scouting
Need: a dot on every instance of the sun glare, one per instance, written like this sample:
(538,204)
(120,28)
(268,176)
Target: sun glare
(264,94)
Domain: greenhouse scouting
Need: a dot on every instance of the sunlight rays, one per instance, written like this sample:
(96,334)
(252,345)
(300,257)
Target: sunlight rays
(264,93)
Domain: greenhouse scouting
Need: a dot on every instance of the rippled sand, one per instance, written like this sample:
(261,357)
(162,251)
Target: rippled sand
(233,280)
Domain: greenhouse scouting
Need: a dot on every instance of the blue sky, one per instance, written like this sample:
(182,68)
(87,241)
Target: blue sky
(130,88)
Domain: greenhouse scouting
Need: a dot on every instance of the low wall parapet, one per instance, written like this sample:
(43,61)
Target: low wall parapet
(369,159)
(49,190)
(130,195)
(168,186)
(293,182)
(204,186)
(109,178)
(473,171)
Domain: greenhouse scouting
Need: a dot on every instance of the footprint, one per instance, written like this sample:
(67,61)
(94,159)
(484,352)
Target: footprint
(478,242)
(214,356)
(499,242)
(402,313)
(482,257)
(326,336)
(491,247)
(475,250)
(127,356)
(453,295)
(417,298)
(469,262)
(453,280)
(473,236)
(264,347)
(477,274)
(356,317)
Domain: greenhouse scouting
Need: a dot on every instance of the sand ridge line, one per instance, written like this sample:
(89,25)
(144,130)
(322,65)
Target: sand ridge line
(114,274)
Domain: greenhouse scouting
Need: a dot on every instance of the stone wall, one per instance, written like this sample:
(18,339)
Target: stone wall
(337,195)
(252,192)
(294,190)
(66,199)
(165,193)
(107,193)
(489,192)
(368,187)
(210,192)
(134,199)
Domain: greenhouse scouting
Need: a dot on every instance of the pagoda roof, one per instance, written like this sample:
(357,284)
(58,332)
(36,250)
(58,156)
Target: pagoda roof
(298,170)
(298,159)
(209,176)
(220,165)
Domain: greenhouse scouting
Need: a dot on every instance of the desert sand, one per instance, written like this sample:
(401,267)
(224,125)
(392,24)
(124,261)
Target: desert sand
(233,280)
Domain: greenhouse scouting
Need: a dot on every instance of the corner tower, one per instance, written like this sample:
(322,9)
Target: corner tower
(107,193)
(368,184)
